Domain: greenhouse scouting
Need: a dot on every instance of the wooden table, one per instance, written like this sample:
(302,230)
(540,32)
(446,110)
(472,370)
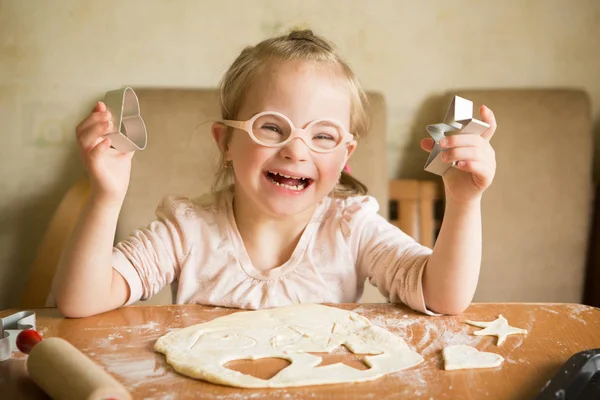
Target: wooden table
(121,341)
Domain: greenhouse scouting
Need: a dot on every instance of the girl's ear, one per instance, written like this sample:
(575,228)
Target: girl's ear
(350,149)
(219,134)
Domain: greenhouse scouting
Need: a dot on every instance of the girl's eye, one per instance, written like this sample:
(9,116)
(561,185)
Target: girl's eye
(273,128)
(325,132)
(323,136)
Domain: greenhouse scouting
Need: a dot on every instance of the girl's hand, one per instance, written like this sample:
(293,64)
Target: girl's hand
(109,169)
(476,162)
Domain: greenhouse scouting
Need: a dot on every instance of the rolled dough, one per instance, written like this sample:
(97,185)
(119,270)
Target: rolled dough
(201,351)
(467,357)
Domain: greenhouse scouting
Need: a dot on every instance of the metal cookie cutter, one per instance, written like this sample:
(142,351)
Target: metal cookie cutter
(130,130)
(459,120)
(9,330)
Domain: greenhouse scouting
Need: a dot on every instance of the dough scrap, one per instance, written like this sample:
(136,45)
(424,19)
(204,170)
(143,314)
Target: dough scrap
(467,357)
(498,328)
(201,351)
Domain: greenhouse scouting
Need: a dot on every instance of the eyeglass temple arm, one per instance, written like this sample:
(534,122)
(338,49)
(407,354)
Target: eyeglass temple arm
(348,137)
(234,124)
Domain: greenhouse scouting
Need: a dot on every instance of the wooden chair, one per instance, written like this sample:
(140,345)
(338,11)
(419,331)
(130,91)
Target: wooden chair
(412,208)
(41,275)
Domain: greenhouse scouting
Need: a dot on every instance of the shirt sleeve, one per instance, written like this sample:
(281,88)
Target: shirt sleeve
(391,260)
(151,257)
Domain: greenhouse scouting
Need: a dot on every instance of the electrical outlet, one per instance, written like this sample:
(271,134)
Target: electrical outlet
(49,132)
(44,125)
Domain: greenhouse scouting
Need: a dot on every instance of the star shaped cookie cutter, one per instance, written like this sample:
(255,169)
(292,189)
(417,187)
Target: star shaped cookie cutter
(130,130)
(10,327)
(459,120)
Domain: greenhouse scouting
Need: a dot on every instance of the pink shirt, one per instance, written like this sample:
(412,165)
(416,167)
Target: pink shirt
(197,245)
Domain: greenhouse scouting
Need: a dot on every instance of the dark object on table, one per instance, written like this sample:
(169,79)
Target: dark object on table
(578,379)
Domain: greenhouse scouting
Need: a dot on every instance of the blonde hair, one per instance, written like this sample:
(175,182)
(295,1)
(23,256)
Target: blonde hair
(297,45)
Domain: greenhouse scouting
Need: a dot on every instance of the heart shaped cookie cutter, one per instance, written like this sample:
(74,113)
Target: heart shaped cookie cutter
(130,130)
(459,120)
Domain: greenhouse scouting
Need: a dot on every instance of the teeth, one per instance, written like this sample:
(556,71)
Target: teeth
(287,176)
(296,188)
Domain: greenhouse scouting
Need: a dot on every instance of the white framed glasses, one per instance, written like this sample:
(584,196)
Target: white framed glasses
(273,129)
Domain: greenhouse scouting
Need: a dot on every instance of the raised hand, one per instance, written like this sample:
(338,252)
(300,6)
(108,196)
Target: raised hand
(109,169)
(475,161)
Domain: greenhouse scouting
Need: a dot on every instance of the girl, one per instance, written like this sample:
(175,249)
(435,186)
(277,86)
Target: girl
(284,223)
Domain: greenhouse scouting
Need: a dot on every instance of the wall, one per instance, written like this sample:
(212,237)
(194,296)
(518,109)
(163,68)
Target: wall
(57,58)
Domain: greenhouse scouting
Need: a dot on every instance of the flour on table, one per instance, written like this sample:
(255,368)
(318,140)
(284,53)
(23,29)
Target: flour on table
(467,357)
(498,328)
(291,333)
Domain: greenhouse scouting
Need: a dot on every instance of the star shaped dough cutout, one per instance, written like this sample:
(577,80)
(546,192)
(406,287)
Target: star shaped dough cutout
(498,328)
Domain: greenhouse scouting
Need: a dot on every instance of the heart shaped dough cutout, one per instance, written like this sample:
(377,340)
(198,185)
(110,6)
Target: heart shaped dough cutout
(467,357)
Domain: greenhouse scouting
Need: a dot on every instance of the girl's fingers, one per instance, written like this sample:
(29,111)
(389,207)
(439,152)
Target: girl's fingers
(482,173)
(99,149)
(462,141)
(488,116)
(89,138)
(99,107)
(427,144)
(94,118)
(471,153)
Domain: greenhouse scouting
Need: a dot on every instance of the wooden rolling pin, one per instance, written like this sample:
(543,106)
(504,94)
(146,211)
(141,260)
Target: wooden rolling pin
(64,373)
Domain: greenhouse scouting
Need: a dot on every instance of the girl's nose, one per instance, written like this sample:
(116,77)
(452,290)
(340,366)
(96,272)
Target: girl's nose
(295,150)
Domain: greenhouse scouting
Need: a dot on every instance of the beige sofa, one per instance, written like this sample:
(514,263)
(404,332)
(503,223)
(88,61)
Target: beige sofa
(535,215)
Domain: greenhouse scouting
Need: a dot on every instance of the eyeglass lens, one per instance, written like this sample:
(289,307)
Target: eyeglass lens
(272,129)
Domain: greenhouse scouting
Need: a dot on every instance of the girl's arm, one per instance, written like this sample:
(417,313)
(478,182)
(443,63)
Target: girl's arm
(450,277)
(86,282)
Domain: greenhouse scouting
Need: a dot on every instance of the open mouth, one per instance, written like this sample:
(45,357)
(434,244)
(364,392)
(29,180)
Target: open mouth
(295,183)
